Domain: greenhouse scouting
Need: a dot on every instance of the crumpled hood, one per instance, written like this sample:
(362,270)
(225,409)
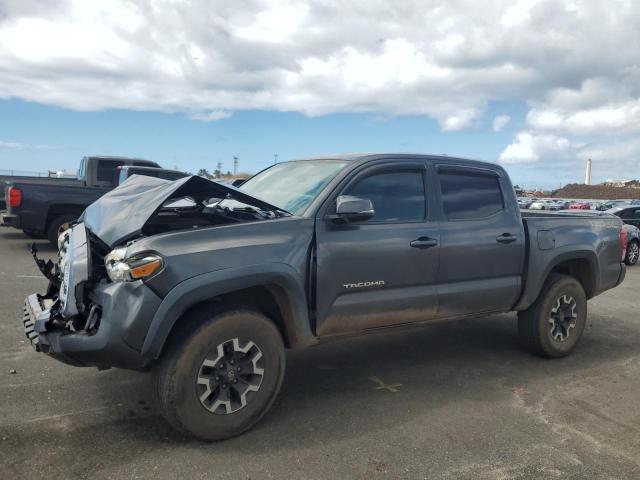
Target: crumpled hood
(122,213)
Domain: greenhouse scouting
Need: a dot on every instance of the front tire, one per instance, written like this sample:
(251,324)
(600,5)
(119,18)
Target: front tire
(554,324)
(220,376)
(633,252)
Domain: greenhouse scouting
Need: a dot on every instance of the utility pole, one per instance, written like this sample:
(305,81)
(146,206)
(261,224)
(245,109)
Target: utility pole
(235,166)
(219,170)
(275,158)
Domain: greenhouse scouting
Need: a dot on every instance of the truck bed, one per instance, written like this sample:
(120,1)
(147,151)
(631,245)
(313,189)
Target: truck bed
(556,237)
(562,213)
(5,179)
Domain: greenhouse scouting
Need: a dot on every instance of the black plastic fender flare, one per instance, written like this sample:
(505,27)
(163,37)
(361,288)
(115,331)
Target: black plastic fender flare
(536,279)
(206,286)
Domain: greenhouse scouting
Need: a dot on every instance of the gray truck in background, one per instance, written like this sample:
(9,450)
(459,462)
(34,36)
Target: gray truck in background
(122,174)
(208,296)
(44,207)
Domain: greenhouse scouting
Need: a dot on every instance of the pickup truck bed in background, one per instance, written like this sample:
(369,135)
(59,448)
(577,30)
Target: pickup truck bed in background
(44,207)
(5,180)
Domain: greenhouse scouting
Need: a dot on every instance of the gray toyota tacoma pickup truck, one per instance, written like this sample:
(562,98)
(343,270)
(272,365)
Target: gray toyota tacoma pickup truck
(206,285)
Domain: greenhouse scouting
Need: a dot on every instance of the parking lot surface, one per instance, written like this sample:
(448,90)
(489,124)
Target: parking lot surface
(449,400)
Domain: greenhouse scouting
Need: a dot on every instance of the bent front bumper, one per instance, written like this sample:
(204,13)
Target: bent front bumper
(123,314)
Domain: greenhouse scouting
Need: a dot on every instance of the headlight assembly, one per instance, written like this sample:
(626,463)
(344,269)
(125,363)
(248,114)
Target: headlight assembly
(121,269)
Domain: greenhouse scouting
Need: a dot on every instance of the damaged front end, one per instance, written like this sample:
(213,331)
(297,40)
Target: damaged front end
(84,319)
(98,306)
(65,308)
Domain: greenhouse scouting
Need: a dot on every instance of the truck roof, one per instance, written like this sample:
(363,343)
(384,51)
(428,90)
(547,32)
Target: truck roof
(144,168)
(116,157)
(144,161)
(399,156)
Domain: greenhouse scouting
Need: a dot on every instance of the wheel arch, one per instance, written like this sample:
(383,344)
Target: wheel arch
(274,289)
(580,264)
(583,269)
(58,209)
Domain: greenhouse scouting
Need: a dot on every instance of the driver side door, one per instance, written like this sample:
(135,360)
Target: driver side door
(380,271)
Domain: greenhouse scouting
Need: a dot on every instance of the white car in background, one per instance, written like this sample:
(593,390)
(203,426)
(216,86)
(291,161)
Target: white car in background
(524,202)
(546,204)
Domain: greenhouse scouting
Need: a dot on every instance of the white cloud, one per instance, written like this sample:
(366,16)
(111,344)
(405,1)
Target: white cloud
(530,148)
(500,121)
(616,118)
(518,13)
(573,62)
(277,23)
(211,116)
(460,120)
(614,157)
(16,145)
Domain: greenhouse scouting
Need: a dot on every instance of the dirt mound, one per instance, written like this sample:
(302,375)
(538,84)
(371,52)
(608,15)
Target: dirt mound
(597,192)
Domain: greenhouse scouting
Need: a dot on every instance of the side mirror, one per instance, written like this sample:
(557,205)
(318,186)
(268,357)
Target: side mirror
(354,209)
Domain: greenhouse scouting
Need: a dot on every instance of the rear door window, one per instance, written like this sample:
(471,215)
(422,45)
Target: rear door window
(468,196)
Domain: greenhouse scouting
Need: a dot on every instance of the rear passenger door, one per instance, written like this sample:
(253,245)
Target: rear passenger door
(482,245)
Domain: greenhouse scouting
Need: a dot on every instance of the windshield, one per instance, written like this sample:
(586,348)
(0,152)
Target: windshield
(292,186)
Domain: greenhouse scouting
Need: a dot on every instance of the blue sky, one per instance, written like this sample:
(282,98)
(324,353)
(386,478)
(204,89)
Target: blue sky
(48,137)
(537,85)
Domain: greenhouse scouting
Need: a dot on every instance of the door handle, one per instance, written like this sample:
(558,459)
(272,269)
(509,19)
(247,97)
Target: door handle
(506,238)
(424,242)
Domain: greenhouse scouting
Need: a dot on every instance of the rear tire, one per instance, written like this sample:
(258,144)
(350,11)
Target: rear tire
(58,225)
(633,252)
(554,324)
(207,386)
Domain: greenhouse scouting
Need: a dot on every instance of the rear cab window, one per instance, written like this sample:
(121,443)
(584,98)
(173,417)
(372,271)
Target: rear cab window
(470,195)
(105,171)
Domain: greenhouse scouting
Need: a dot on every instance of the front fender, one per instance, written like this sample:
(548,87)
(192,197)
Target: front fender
(206,286)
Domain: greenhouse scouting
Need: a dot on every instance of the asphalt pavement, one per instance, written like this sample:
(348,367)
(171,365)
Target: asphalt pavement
(455,400)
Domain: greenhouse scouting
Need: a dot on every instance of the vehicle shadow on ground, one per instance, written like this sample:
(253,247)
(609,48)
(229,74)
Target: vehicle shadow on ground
(17,235)
(337,391)
(44,247)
